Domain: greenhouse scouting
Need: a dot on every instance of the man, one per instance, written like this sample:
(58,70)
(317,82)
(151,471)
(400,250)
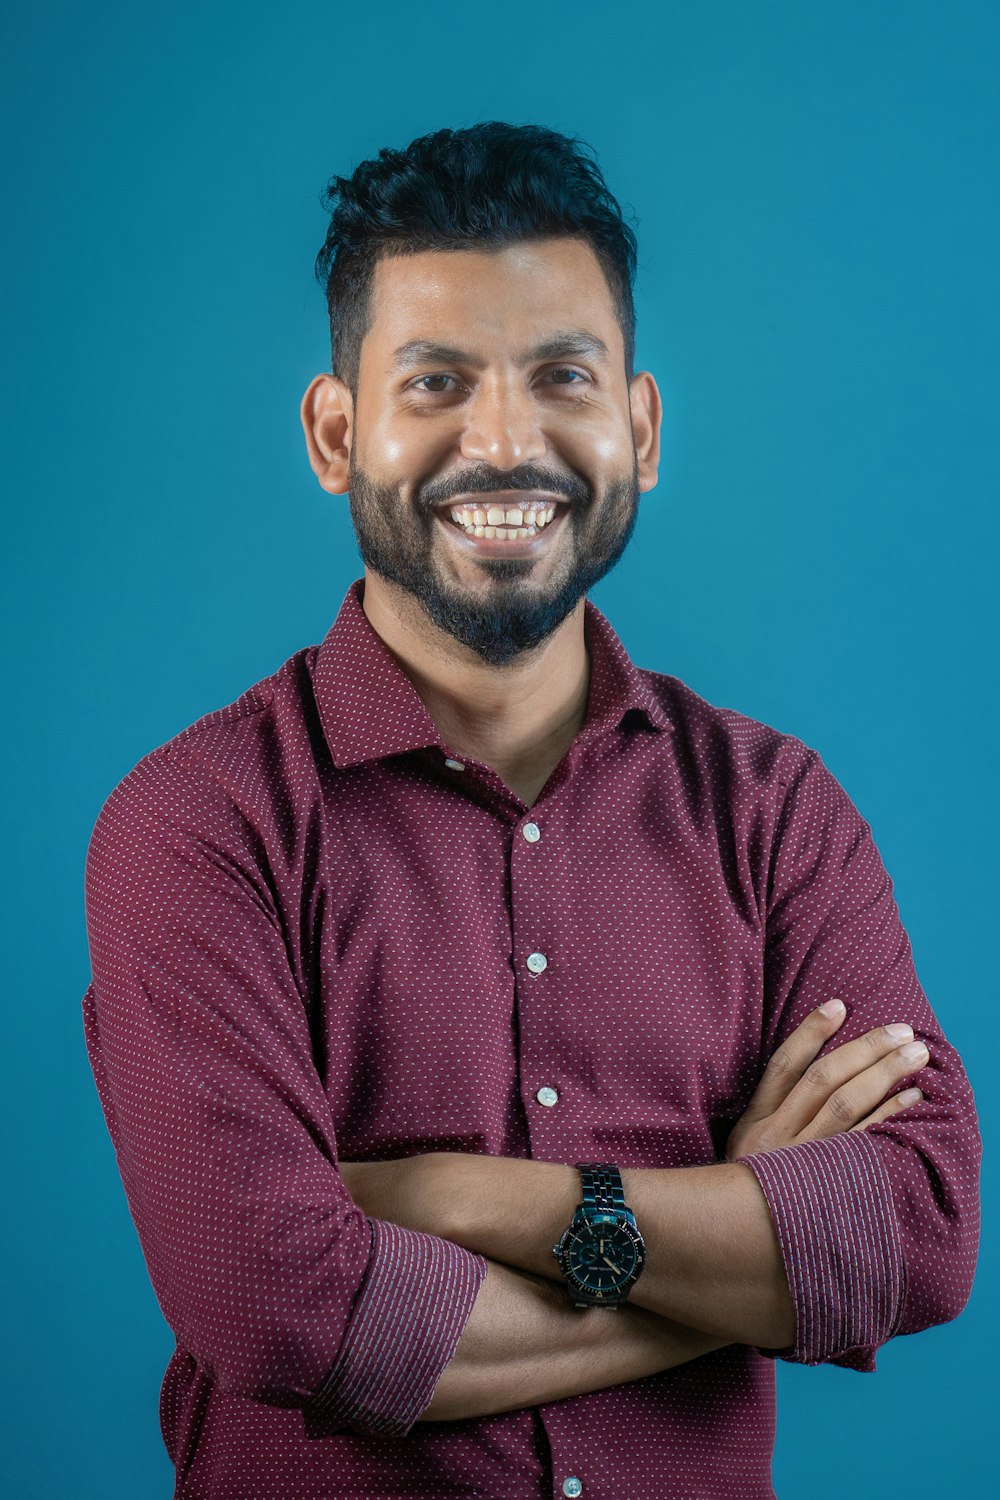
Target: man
(456,1000)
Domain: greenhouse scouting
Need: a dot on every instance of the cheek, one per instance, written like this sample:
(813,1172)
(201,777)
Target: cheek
(395,453)
(596,437)
(383,444)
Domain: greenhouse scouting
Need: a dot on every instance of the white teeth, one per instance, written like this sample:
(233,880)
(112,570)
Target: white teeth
(496,521)
(471,518)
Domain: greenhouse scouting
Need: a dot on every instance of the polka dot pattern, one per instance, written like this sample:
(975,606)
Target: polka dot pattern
(318,932)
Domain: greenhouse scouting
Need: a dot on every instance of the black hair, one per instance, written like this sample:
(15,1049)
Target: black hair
(490,184)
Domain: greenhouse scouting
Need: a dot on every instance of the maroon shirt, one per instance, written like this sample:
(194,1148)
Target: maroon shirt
(317,932)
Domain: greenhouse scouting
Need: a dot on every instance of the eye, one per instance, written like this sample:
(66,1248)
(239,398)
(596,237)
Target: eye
(417,383)
(565,370)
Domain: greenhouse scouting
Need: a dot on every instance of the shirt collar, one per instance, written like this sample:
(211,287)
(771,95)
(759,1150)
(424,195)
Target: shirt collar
(369,708)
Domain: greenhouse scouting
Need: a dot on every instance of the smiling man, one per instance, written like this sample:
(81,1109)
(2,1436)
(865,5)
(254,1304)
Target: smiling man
(466,1002)
(492,483)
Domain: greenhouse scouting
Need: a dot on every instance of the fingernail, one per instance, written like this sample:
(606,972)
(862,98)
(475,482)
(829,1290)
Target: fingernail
(832,1008)
(913,1051)
(909,1096)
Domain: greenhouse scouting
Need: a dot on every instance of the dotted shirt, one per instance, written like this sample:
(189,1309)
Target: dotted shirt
(317,931)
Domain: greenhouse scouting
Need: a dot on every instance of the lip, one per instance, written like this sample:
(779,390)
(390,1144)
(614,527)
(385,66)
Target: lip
(488,546)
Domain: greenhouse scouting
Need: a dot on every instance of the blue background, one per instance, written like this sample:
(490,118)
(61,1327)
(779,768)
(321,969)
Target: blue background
(816,191)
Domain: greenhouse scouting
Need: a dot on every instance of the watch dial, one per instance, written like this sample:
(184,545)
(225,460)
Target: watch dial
(601,1257)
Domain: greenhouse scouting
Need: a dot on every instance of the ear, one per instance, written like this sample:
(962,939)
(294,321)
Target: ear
(647,416)
(327,413)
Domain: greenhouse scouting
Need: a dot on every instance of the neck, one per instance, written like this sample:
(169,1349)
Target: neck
(521,718)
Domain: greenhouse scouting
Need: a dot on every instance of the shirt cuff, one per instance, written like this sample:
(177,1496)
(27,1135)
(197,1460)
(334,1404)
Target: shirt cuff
(409,1317)
(832,1207)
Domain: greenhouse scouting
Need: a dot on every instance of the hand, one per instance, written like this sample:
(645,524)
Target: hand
(799,1099)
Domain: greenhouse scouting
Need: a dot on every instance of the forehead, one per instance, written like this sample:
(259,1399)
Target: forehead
(495,299)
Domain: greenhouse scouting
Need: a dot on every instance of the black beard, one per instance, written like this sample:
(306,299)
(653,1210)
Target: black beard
(397,543)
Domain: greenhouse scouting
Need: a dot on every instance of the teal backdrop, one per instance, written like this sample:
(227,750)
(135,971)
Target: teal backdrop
(816,193)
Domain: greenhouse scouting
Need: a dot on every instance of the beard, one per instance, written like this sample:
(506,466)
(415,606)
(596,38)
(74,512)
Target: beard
(508,615)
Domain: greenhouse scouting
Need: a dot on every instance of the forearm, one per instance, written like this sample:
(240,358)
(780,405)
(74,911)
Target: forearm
(525,1345)
(713,1261)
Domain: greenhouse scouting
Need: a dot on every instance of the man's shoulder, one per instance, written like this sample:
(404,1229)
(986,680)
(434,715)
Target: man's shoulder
(711,737)
(227,758)
(268,702)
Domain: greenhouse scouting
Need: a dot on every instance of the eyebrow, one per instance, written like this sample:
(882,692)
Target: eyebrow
(571,344)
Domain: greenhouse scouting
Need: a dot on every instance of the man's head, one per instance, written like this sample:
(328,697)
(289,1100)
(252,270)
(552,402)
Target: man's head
(479,285)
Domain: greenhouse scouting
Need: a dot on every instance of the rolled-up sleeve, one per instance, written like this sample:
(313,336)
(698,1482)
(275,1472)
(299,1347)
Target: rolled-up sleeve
(199,1040)
(878,1228)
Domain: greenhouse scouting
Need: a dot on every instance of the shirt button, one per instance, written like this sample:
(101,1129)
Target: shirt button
(454,765)
(572,1486)
(547,1096)
(532,832)
(536,962)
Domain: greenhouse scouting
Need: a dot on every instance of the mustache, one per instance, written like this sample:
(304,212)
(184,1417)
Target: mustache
(491,481)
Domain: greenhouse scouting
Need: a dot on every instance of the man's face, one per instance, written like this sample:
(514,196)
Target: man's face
(482,415)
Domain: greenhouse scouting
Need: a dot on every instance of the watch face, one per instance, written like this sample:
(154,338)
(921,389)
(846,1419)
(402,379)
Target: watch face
(602,1257)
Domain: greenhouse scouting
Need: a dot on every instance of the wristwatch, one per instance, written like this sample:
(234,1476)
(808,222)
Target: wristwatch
(602,1252)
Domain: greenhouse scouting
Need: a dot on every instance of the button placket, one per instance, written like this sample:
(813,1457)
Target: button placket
(531,897)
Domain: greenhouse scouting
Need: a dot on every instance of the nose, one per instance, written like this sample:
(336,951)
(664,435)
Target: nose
(502,428)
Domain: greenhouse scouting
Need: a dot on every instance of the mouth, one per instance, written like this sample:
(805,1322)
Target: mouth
(503,524)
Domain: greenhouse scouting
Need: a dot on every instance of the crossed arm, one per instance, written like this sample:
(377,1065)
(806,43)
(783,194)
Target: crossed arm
(714,1273)
(317,1301)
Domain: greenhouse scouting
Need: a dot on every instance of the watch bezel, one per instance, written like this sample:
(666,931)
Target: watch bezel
(620,1223)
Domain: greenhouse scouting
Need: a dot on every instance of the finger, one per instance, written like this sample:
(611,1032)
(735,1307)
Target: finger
(855,1099)
(840,1083)
(893,1106)
(789,1061)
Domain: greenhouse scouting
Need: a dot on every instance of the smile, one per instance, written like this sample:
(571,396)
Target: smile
(506,522)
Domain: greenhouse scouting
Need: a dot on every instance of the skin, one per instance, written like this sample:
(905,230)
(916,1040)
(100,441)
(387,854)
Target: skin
(494,645)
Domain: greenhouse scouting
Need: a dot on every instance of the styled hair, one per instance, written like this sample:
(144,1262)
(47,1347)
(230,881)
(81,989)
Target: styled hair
(490,184)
